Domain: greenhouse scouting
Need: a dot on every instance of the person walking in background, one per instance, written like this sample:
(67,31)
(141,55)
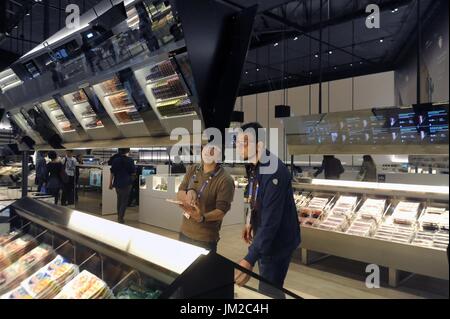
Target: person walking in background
(332,166)
(122,170)
(53,178)
(79,159)
(68,193)
(41,170)
(368,172)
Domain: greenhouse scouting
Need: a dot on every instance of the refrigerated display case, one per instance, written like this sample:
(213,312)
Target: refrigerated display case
(83,111)
(57,116)
(398,226)
(125,261)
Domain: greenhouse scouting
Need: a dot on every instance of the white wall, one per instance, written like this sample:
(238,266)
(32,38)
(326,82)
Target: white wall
(364,92)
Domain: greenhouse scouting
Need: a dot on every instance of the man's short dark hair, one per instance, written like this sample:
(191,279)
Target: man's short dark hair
(52,155)
(255,126)
(123,151)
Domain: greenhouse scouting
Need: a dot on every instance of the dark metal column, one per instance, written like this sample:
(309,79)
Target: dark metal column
(320,60)
(46,34)
(419,53)
(25,156)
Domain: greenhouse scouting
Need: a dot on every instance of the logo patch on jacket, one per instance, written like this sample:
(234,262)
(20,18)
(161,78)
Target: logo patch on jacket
(275,181)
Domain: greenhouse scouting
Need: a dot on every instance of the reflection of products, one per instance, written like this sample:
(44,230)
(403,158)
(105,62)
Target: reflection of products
(176,107)
(120,101)
(111,86)
(61,117)
(66,126)
(161,70)
(79,97)
(169,89)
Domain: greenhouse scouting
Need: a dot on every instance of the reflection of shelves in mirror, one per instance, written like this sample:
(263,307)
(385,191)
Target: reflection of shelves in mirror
(128,123)
(94,128)
(114,93)
(79,103)
(88,116)
(170,99)
(152,82)
(131,107)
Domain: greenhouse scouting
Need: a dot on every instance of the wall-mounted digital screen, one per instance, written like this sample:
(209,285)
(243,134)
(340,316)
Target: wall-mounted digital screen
(426,124)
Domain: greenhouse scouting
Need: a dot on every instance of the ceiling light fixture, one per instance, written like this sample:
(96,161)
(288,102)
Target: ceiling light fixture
(257,70)
(316,56)
(296,38)
(395,10)
(381,40)
(276,44)
(330,52)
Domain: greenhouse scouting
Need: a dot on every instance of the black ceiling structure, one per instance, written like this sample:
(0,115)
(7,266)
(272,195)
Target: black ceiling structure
(294,42)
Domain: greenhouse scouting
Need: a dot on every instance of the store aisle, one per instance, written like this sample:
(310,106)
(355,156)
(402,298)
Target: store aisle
(329,278)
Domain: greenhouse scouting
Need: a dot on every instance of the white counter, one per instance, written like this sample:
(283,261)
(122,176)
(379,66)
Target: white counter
(156,211)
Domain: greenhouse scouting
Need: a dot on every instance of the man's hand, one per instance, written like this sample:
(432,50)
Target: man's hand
(195,213)
(241,278)
(191,197)
(247,234)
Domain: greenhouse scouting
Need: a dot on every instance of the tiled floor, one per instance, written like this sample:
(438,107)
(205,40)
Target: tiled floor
(331,277)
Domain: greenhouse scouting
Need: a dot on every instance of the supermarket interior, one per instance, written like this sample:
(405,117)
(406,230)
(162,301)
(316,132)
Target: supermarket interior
(298,148)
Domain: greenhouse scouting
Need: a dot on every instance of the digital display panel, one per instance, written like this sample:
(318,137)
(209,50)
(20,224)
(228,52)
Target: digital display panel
(422,125)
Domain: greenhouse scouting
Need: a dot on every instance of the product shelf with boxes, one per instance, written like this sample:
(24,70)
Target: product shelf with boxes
(401,227)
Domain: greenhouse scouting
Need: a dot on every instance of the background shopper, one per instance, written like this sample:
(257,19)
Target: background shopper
(368,172)
(332,166)
(207,191)
(272,231)
(41,170)
(122,170)
(53,178)
(68,192)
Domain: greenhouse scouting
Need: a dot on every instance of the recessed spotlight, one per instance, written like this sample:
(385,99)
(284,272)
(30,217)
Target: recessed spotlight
(351,64)
(296,38)
(381,40)
(15,27)
(246,72)
(361,62)
(276,44)
(257,70)
(330,52)
(395,10)
(316,56)
(335,67)
(310,73)
(27,14)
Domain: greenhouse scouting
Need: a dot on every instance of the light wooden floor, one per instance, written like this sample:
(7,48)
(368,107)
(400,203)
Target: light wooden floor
(331,277)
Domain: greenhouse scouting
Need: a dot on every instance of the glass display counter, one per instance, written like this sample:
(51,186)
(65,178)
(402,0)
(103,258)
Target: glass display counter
(122,261)
(398,226)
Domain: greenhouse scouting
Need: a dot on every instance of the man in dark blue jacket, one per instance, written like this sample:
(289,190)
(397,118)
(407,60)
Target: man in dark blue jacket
(122,171)
(272,230)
